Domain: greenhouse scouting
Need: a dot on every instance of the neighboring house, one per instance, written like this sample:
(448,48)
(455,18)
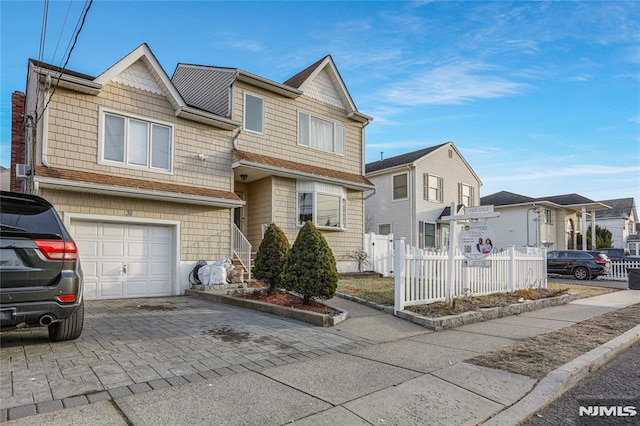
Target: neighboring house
(620,221)
(415,190)
(553,222)
(149,177)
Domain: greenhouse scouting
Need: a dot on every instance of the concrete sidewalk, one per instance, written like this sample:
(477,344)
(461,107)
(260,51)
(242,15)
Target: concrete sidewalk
(404,375)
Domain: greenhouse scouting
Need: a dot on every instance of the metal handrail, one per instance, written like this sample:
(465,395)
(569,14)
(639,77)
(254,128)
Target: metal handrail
(242,249)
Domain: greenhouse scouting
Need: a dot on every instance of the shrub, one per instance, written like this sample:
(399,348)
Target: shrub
(271,257)
(310,269)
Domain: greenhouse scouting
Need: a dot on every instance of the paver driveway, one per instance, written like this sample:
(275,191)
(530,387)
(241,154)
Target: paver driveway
(135,345)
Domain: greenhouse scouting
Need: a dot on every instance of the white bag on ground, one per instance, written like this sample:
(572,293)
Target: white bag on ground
(218,275)
(204,274)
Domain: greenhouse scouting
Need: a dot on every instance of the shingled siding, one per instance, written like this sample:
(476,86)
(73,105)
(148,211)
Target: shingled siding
(280,136)
(73,137)
(205,232)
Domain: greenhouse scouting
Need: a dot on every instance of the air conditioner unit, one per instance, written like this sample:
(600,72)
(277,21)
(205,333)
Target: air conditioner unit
(23,171)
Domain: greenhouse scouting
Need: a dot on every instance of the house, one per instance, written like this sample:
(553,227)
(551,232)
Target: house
(152,174)
(553,222)
(5,178)
(621,222)
(415,190)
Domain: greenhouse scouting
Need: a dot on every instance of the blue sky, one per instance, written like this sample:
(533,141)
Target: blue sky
(541,98)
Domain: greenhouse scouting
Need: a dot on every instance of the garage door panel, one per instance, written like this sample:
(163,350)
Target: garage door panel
(138,250)
(112,289)
(124,259)
(112,249)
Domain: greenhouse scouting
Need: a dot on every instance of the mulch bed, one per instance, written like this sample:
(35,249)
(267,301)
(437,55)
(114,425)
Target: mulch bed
(290,301)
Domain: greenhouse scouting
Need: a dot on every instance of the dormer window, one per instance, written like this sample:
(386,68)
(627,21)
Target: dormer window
(321,134)
(253,113)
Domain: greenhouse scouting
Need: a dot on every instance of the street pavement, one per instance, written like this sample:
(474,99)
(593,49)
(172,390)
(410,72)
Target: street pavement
(185,361)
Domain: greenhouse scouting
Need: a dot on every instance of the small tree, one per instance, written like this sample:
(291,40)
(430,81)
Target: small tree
(604,238)
(271,257)
(310,269)
(360,257)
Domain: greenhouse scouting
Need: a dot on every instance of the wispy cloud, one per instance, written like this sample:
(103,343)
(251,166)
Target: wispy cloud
(451,84)
(554,173)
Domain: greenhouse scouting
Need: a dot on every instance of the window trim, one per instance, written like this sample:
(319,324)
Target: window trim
(472,194)
(335,124)
(393,187)
(311,187)
(244,111)
(439,190)
(390,225)
(103,112)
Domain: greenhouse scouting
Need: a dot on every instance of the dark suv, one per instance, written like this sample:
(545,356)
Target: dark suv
(40,275)
(581,264)
(614,253)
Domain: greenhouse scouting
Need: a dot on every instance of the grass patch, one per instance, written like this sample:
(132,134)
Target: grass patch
(381,291)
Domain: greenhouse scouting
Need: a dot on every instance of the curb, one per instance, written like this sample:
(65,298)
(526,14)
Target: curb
(314,318)
(563,378)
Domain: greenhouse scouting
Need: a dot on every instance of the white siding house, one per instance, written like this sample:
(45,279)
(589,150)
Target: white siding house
(414,190)
(620,221)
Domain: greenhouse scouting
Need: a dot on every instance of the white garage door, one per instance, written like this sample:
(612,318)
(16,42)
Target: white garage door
(124,259)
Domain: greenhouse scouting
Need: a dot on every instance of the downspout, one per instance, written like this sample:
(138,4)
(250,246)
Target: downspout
(45,122)
(412,205)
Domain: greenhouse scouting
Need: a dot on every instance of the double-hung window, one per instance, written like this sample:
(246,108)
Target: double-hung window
(433,188)
(548,216)
(253,113)
(136,142)
(324,205)
(400,187)
(465,195)
(321,134)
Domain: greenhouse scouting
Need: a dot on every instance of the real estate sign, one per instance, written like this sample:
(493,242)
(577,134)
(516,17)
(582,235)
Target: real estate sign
(476,240)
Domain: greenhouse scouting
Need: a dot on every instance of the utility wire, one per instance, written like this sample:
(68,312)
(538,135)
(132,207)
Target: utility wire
(64,24)
(75,40)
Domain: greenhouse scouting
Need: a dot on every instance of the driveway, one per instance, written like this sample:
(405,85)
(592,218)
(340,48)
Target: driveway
(134,345)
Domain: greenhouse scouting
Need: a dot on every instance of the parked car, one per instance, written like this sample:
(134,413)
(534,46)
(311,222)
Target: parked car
(41,279)
(614,253)
(581,264)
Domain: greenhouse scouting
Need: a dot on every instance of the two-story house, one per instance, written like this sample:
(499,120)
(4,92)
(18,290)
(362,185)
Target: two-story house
(553,222)
(150,173)
(415,190)
(621,222)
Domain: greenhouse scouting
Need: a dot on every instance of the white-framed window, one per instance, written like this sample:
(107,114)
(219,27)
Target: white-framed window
(401,186)
(321,134)
(465,195)
(548,216)
(136,142)
(322,204)
(253,113)
(433,188)
(384,229)
(427,234)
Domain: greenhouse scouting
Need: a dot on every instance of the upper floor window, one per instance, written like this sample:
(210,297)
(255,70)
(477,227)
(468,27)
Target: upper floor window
(465,195)
(253,113)
(433,188)
(548,216)
(400,187)
(321,134)
(136,142)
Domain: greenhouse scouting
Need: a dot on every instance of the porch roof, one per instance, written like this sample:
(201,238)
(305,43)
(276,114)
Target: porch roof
(246,161)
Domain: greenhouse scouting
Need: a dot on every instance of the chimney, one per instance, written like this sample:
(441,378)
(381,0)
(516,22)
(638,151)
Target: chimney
(18,147)
(381,155)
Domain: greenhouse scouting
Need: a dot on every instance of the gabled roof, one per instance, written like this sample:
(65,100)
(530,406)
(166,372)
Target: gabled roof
(504,198)
(620,208)
(569,201)
(142,54)
(400,160)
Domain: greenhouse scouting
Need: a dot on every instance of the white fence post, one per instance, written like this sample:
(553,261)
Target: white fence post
(511,274)
(399,273)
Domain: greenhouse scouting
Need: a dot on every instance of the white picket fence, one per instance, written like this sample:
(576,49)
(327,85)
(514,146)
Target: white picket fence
(619,269)
(422,276)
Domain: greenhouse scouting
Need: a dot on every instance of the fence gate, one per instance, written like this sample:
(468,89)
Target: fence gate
(379,249)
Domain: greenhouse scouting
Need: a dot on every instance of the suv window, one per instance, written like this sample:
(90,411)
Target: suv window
(30,217)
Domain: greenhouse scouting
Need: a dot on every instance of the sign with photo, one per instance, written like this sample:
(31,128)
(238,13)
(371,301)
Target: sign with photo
(476,240)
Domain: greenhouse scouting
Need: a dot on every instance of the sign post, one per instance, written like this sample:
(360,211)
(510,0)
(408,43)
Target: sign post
(472,239)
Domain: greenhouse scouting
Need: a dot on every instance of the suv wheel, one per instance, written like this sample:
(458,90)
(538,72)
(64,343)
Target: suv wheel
(581,273)
(68,329)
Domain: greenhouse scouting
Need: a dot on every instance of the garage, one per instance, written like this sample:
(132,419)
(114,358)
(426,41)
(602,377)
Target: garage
(122,260)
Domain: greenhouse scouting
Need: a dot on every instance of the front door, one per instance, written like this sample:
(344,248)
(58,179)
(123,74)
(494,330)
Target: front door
(238,214)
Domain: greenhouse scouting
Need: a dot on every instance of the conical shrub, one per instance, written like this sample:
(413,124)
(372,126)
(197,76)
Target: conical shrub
(310,269)
(271,256)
